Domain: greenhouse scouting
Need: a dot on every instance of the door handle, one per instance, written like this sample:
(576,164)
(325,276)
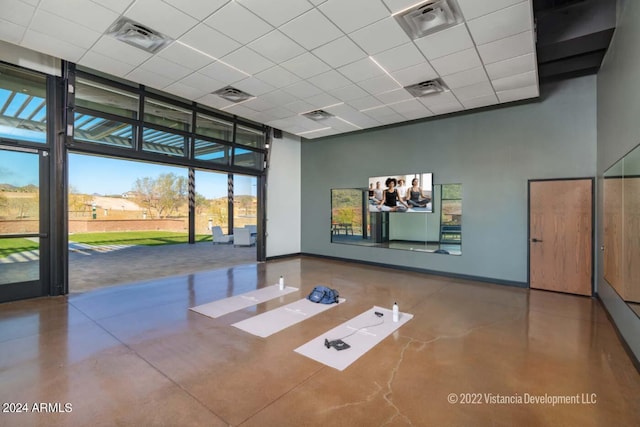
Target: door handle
(534,240)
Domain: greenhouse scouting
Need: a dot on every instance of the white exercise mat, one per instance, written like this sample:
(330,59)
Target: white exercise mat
(280,318)
(238,302)
(362,333)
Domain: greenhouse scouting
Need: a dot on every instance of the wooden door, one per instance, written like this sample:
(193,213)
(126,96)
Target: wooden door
(560,235)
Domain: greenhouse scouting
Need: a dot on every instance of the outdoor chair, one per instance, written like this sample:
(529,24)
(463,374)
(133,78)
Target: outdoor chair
(243,237)
(219,236)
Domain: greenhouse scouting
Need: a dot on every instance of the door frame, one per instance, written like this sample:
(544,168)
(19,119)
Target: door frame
(593,224)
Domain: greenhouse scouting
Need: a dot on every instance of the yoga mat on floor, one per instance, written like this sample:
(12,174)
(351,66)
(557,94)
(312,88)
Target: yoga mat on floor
(280,318)
(362,333)
(238,302)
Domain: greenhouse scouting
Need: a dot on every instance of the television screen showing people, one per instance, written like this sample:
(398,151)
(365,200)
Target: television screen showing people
(401,193)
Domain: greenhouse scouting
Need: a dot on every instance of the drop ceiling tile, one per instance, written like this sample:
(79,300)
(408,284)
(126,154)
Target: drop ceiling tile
(456,62)
(302,89)
(165,68)
(530,78)
(259,104)
(473,91)
(503,23)
(306,65)
(365,103)
(112,48)
(446,108)
(378,84)
(277,77)
(277,12)
(361,70)
(149,78)
(224,73)
(415,74)
(247,60)
(380,36)
(214,101)
(393,96)
(90,15)
(311,30)
(118,6)
(279,113)
(239,110)
(105,64)
(340,124)
(330,80)
(399,57)
(510,47)
(339,52)
(184,91)
(202,82)
(209,41)
(445,42)
(353,14)
(466,78)
(443,98)
(254,86)
(276,47)
(347,112)
(322,100)
(279,97)
(238,23)
(186,56)
(348,93)
(399,5)
(11,32)
(482,101)
(473,8)
(58,48)
(61,29)
(511,66)
(299,106)
(199,9)
(17,12)
(317,2)
(519,93)
(384,115)
(165,19)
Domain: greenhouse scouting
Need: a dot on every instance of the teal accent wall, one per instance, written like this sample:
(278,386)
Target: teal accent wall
(492,153)
(619,133)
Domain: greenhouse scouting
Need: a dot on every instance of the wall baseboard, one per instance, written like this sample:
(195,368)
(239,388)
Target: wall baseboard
(624,342)
(272,258)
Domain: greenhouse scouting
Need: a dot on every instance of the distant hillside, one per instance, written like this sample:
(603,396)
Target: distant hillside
(13,189)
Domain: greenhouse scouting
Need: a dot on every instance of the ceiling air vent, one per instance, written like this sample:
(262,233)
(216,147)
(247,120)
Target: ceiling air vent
(429,17)
(232,94)
(317,115)
(137,35)
(429,87)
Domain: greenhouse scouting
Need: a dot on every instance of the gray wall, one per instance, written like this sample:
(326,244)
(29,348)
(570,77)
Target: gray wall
(492,153)
(618,133)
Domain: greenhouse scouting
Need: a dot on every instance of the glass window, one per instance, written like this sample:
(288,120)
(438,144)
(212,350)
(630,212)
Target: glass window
(250,137)
(157,141)
(107,99)
(245,202)
(212,151)
(97,130)
(214,128)
(167,115)
(23,109)
(212,203)
(247,158)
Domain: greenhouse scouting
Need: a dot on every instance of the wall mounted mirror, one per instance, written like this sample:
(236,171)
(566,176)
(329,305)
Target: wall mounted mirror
(621,216)
(356,221)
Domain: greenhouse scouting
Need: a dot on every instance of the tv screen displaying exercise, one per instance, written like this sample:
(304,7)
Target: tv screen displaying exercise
(401,193)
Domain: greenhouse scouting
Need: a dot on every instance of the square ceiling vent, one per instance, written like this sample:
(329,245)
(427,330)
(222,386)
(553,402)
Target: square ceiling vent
(317,115)
(232,94)
(138,35)
(429,17)
(430,87)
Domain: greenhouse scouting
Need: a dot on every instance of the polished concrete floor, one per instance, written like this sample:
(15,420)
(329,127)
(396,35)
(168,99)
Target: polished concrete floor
(475,354)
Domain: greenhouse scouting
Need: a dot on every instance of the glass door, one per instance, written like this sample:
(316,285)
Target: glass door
(23,227)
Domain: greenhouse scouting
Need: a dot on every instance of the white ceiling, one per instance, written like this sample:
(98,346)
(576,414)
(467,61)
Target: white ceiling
(347,57)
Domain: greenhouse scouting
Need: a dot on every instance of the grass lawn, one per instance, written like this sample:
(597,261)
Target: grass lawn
(11,246)
(145,238)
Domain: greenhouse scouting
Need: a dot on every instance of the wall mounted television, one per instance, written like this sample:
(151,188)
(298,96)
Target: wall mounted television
(416,193)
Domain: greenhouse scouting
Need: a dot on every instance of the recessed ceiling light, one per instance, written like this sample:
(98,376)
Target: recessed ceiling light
(429,17)
(232,94)
(430,87)
(317,115)
(135,34)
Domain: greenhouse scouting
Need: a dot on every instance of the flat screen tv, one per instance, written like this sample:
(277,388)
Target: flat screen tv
(414,193)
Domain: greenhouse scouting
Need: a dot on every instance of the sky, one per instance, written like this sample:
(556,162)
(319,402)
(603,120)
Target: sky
(19,169)
(106,176)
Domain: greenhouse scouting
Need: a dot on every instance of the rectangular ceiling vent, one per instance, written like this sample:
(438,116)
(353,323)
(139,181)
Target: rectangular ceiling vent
(317,115)
(427,88)
(429,17)
(137,35)
(232,94)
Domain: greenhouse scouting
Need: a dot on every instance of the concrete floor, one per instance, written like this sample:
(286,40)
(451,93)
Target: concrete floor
(475,354)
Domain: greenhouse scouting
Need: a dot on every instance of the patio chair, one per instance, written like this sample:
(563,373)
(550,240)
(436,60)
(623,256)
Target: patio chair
(243,237)
(219,236)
